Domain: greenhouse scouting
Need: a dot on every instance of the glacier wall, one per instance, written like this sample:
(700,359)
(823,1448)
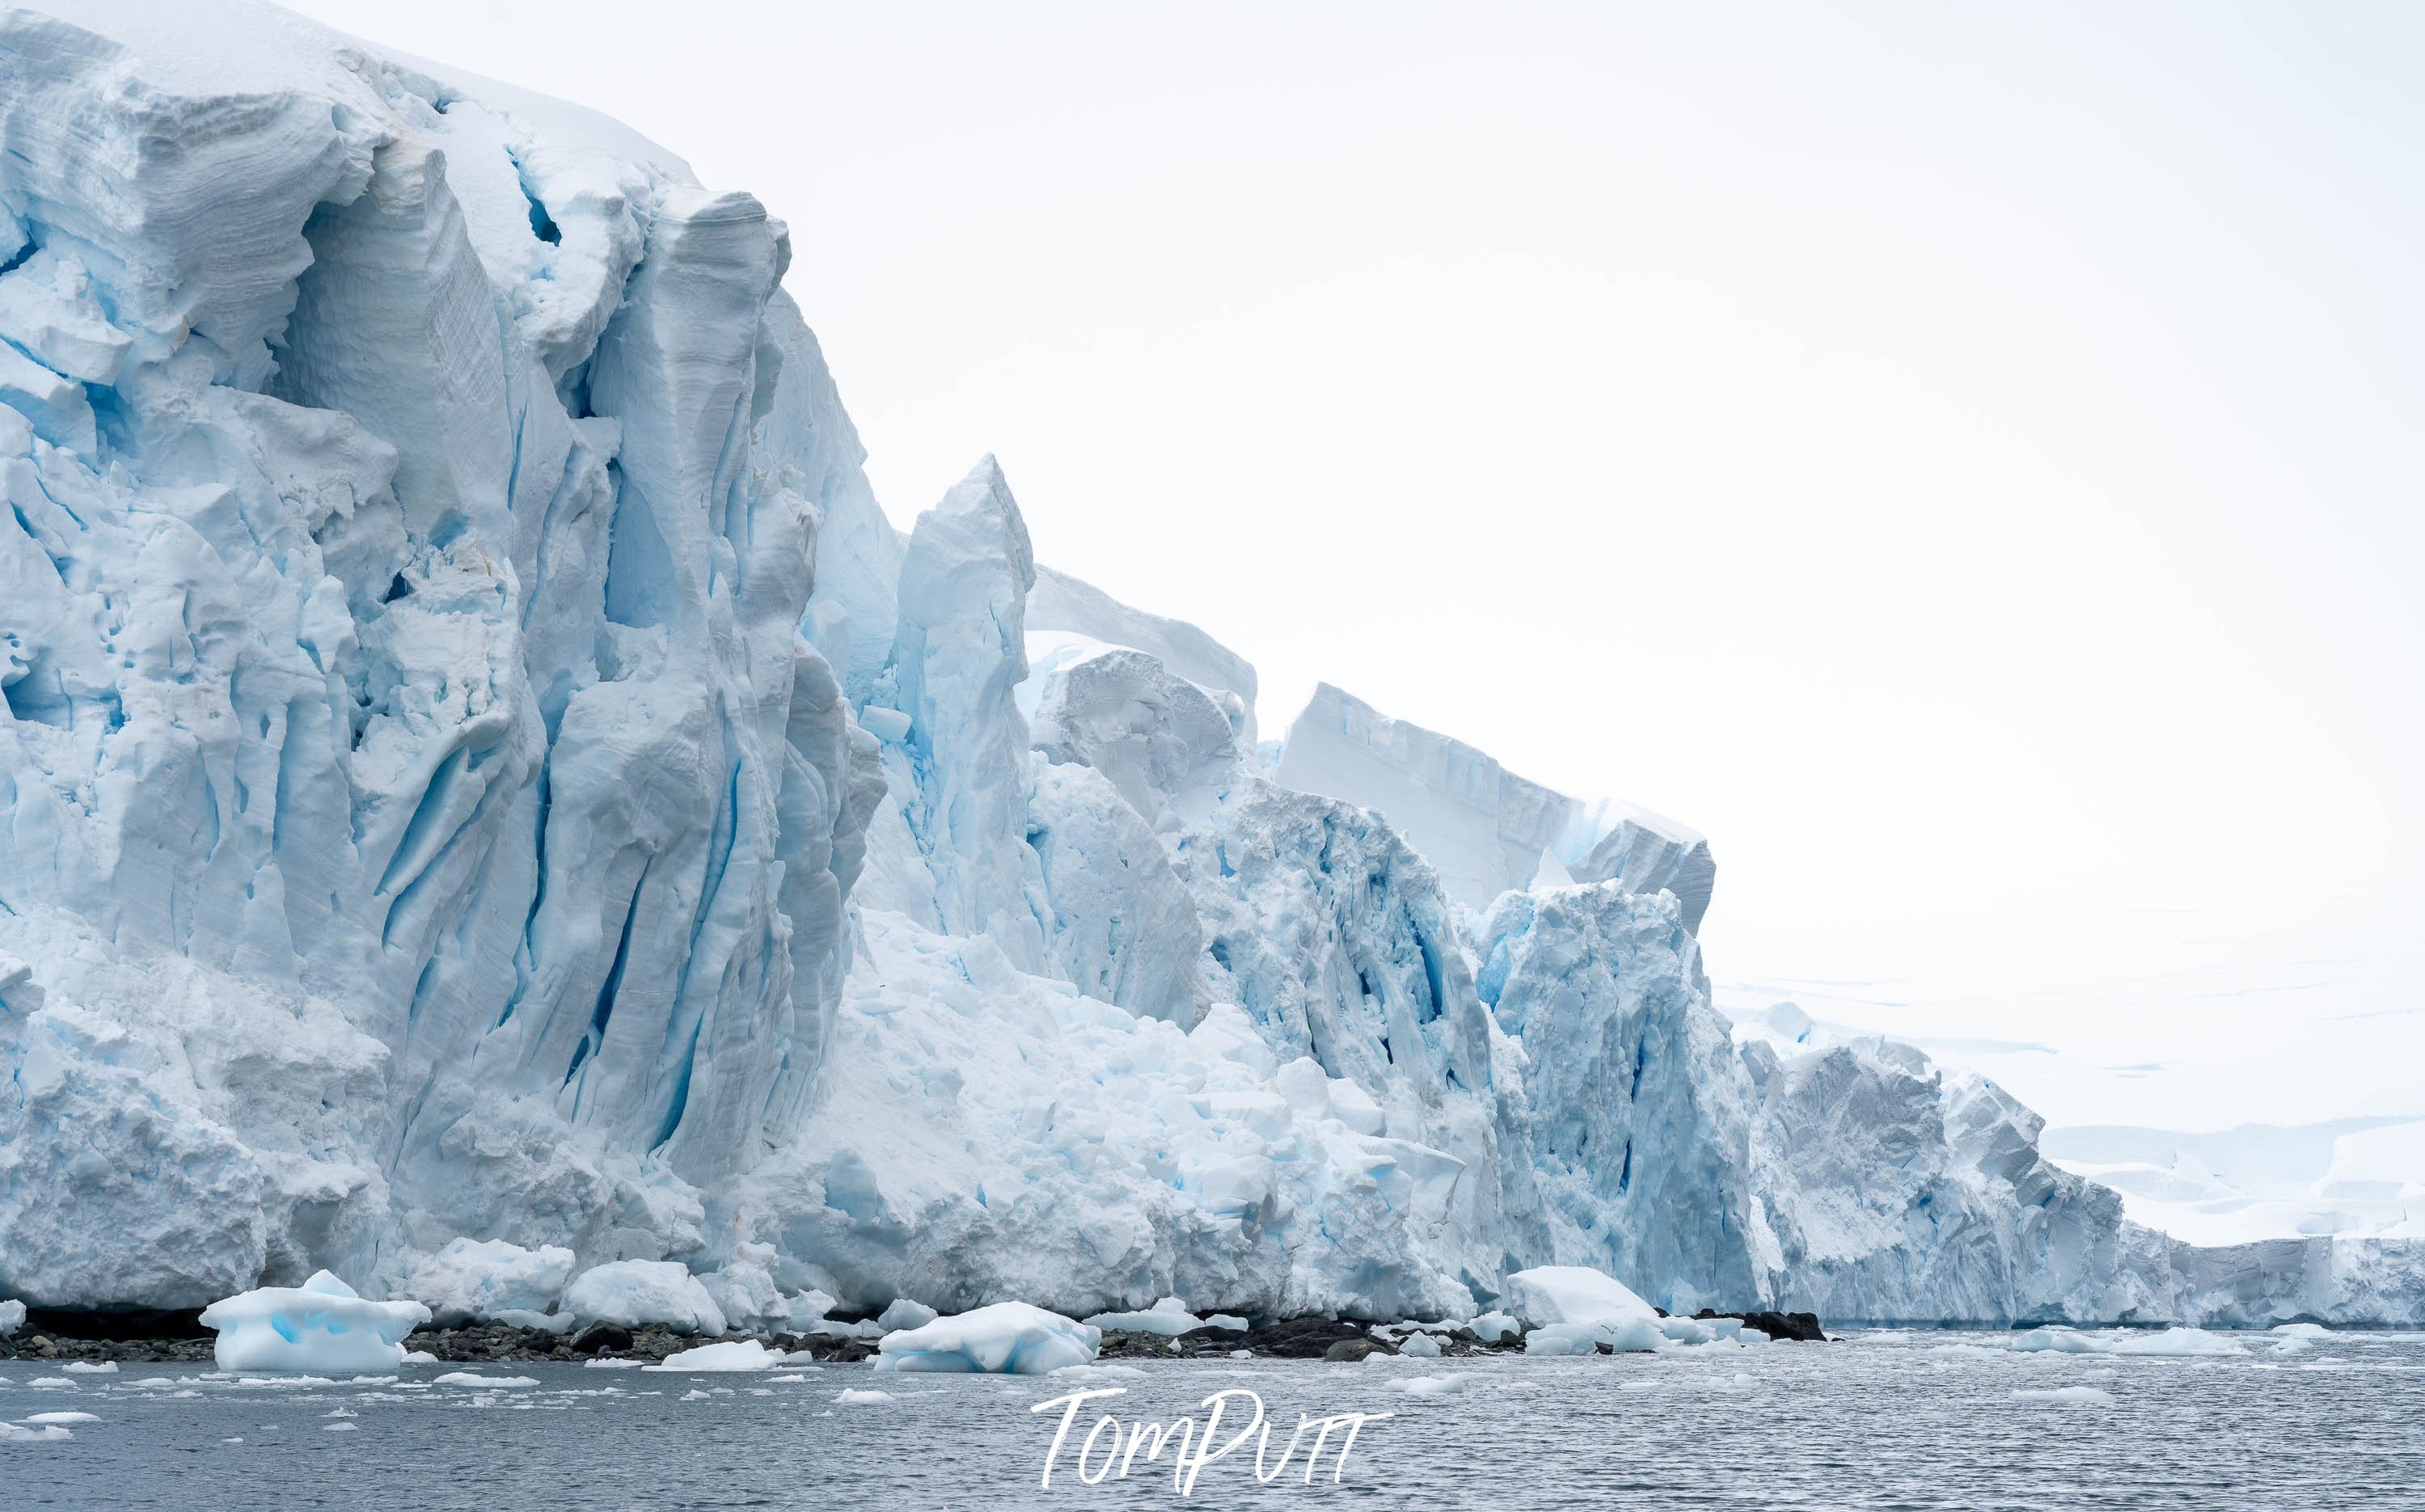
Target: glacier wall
(422,815)
(479,767)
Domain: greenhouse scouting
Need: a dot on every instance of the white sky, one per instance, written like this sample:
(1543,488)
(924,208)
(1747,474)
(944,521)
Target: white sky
(1966,460)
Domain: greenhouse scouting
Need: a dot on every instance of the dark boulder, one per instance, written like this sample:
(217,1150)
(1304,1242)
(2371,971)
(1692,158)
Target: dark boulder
(600,1336)
(1297,1338)
(1796,1325)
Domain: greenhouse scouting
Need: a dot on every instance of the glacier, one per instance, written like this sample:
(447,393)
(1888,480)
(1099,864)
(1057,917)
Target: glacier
(492,808)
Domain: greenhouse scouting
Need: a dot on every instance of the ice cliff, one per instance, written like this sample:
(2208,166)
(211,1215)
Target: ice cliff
(480,769)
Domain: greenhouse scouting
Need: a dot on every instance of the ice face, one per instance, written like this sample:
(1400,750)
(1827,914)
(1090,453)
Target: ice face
(1483,829)
(638,1293)
(423,803)
(490,798)
(320,1327)
(472,1281)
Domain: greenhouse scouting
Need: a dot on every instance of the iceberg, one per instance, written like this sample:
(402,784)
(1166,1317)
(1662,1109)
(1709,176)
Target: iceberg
(730,1355)
(322,1325)
(498,812)
(12,1317)
(1006,1338)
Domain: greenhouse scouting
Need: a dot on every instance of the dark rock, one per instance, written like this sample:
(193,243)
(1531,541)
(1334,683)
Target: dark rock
(1801,1325)
(1354,1350)
(1297,1338)
(118,1324)
(595,1337)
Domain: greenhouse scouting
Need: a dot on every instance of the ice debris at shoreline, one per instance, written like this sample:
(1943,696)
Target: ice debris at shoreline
(481,1281)
(634,1294)
(1168,1317)
(321,1326)
(1007,1338)
(12,1317)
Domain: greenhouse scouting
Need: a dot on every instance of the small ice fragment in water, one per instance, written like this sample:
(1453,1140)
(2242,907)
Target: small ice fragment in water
(2067,1395)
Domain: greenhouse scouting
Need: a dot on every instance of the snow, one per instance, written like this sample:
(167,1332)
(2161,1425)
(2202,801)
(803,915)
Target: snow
(321,1326)
(2354,1177)
(498,813)
(638,1293)
(1004,1338)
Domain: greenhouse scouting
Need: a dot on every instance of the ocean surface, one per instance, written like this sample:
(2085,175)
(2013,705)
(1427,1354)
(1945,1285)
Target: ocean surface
(1911,1420)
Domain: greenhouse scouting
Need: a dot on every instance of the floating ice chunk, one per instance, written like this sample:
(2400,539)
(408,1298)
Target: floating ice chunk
(2287,1331)
(321,1326)
(636,1292)
(906,1313)
(1008,1338)
(57,1381)
(1168,1317)
(89,1367)
(337,1427)
(1574,1294)
(854,1397)
(418,1357)
(474,1379)
(11,1434)
(478,1278)
(63,1417)
(2180,1343)
(734,1355)
(1429,1385)
(1099,1373)
(2067,1395)
(12,1317)
(614,1364)
(2061,1341)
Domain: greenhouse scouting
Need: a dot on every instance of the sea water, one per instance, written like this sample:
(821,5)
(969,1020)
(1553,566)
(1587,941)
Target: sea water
(1908,1420)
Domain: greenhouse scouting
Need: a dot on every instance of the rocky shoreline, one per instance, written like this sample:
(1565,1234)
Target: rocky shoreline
(183,1340)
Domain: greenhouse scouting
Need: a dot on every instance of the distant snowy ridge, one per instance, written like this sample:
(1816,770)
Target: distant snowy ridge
(480,770)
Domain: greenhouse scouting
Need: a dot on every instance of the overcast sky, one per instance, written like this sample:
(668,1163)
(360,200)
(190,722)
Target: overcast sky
(1964,459)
